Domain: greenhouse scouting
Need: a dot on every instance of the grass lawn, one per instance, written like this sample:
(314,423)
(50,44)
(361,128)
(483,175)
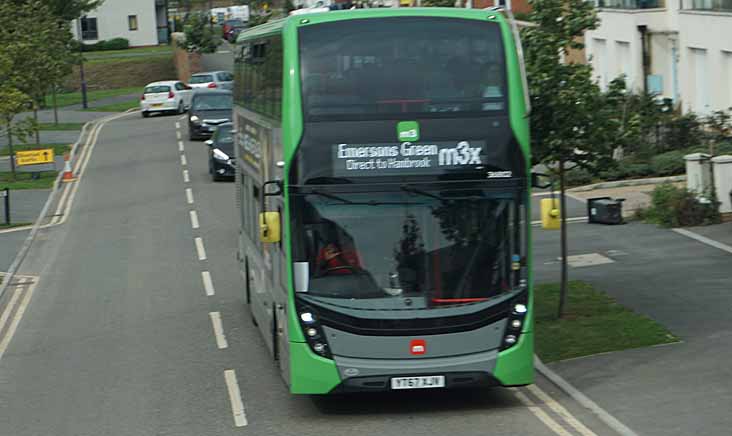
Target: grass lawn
(158,50)
(60,126)
(116,107)
(24,181)
(70,98)
(594,323)
(58,149)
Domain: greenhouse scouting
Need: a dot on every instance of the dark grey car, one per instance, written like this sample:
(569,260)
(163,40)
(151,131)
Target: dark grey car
(209,109)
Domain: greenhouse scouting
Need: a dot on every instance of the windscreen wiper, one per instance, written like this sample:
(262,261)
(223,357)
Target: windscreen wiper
(413,190)
(358,203)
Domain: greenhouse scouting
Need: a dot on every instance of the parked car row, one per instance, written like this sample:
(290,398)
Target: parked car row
(209,103)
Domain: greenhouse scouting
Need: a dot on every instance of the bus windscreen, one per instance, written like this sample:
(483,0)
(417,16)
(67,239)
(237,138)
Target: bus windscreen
(385,68)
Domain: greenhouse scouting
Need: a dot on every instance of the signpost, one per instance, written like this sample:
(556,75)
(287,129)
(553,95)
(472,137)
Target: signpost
(5,193)
(34,157)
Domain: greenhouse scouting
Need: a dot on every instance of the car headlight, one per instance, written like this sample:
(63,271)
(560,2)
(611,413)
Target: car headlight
(195,119)
(220,155)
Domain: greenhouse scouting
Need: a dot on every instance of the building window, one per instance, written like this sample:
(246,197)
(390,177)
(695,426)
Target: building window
(132,21)
(89,28)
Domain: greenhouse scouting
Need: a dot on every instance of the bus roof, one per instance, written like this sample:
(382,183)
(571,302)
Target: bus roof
(302,19)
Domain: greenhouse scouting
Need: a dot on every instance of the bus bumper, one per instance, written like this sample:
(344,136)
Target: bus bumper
(512,367)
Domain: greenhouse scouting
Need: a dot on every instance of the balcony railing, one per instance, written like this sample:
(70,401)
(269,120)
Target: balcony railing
(632,4)
(708,5)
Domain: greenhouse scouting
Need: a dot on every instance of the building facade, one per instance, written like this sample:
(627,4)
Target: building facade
(677,49)
(142,22)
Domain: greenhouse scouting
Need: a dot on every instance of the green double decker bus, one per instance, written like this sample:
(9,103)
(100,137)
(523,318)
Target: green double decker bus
(383,182)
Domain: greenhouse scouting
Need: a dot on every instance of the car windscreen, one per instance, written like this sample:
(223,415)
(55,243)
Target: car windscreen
(204,78)
(157,89)
(385,68)
(212,102)
(225,77)
(224,139)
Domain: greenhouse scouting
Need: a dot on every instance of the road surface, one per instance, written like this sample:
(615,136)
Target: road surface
(117,332)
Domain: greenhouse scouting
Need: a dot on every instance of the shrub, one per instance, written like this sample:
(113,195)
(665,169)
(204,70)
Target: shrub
(669,163)
(683,132)
(678,207)
(578,177)
(115,44)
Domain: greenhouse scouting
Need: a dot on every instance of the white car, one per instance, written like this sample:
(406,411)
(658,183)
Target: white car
(169,96)
(213,80)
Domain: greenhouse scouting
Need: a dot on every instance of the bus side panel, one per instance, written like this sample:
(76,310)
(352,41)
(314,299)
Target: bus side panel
(311,374)
(515,366)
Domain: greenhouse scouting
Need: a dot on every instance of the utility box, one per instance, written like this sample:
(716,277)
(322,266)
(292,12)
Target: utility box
(698,173)
(605,210)
(723,181)
(550,216)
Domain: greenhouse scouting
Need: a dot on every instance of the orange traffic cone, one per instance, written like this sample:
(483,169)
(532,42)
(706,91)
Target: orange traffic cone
(68,172)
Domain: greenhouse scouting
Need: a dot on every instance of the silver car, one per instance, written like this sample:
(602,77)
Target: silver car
(213,80)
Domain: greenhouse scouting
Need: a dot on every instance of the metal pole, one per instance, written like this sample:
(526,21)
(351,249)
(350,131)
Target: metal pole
(6,194)
(84,102)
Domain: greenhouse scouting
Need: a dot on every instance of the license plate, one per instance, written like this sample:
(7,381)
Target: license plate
(422,382)
(157,105)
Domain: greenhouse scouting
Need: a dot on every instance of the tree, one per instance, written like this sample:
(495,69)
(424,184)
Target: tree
(69,10)
(200,37)
(569,119)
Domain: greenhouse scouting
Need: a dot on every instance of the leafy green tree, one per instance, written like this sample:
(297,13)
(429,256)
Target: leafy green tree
(72,9)
(569,115)
(200,38)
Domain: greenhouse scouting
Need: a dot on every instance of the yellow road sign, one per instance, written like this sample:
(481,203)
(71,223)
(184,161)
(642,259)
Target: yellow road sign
(34,157)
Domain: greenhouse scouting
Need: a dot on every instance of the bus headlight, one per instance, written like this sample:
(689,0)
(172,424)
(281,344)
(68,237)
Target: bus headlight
(313,331)
(515,321)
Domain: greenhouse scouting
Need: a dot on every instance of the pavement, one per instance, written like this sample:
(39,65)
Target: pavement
(222,60)
(116,336)
(677,389)
(48,137)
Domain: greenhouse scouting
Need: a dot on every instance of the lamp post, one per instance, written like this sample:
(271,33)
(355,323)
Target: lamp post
(84,102)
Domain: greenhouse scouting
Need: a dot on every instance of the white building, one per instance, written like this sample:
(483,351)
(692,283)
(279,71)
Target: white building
(687,46)
(142,22)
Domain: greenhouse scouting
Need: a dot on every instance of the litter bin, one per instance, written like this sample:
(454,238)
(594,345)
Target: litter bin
(605,210)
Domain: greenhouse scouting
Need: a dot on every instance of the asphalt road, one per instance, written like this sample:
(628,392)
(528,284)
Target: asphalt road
(118,338)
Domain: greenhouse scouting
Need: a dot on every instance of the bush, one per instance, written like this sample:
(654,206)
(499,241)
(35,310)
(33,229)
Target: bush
(112,44)
(669,164)
(578,177)
(679,207)
(116,44)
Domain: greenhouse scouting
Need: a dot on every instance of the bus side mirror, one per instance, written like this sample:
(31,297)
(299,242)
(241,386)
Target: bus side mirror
(541,181)
(269,222)
(269,227)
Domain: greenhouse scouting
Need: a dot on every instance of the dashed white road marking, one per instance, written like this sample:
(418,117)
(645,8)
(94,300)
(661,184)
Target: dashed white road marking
(237,407)
(178,134)
(200,249)
(181,147)
(207,283)
(541,415)
(177,125)
(189,195)
(194,219)
(183,160)
(561,411)
(186,178)
(218,328)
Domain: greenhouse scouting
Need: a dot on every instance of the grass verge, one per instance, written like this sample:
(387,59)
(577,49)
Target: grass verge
(116,107)
(58,149)
(12,226)
(594,323)
(26,181)
(69,98)
(60,126)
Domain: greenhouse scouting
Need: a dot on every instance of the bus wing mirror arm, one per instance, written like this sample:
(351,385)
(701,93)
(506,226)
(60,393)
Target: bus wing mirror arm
(541,181)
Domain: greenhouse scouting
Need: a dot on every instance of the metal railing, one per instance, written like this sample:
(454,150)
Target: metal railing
(708,5)
(632,4)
